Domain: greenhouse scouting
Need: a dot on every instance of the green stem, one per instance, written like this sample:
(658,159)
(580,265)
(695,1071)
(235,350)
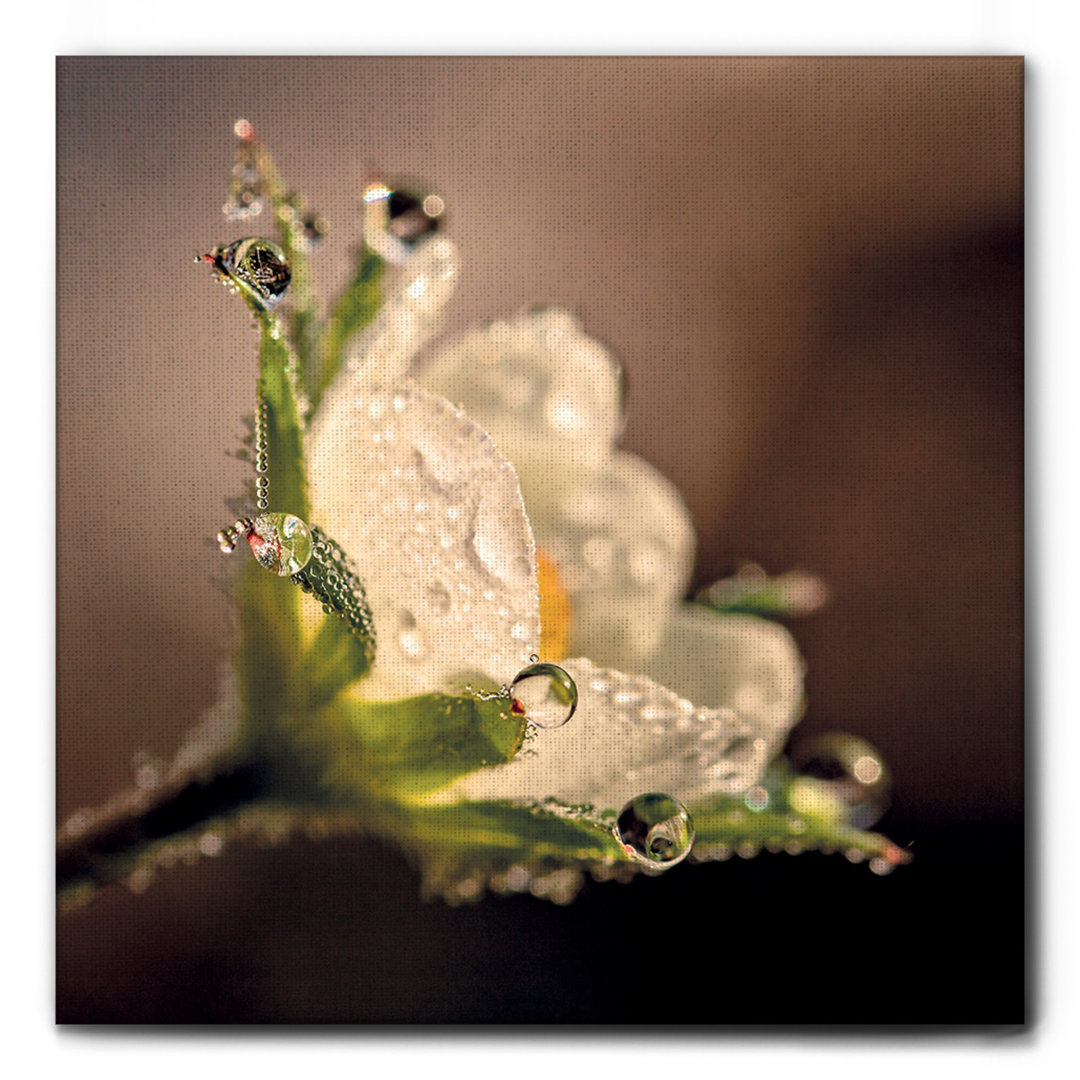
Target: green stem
(116,846)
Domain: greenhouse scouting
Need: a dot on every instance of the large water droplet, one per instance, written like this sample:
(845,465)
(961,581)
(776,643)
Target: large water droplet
(410,636)
(396,220)
(854,771)
(546,695)
(280,542)
(258,266)
(656,830)
(497,543)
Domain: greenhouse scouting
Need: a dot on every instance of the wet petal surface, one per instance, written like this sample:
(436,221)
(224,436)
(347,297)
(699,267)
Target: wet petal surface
(741,662)
(628,735)
(432,516)
(623,543)
(545,390)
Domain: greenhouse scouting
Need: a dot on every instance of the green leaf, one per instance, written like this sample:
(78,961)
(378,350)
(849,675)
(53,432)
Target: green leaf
(464,848)
(785,812)
(751,591)
(281,421)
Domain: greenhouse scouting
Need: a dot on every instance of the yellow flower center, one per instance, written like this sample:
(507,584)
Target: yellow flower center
(554,611)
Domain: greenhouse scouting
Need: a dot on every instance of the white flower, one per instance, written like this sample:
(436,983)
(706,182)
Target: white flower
(419,492)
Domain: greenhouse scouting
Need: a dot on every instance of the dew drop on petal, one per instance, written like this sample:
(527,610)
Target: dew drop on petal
(281,543)
(546,693)
(395,220)
(437,597)
(656,830)
(493,543)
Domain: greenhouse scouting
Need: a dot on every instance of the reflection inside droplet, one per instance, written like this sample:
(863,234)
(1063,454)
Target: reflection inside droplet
(867,770)
(854,771)
(656,830)
(280,542)
(395,220)
(545,694)
(256,265)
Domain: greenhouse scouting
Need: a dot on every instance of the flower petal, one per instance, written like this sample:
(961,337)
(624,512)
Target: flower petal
(629,735)
(623,543)
(545,390)
(742,662)
(386,348)
(431,514)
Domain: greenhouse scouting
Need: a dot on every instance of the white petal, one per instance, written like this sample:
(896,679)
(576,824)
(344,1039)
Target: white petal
(623,543)
(628,736)
(432,516)
(385,350)
(742,662)
(545,390)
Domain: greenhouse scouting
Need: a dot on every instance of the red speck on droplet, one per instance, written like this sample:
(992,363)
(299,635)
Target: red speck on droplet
(265,549)
(245,130)
(517,708)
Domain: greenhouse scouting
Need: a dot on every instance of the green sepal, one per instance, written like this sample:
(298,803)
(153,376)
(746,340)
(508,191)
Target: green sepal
(402,751)
(343,648)
(269,643)
(288,207)
(283,433)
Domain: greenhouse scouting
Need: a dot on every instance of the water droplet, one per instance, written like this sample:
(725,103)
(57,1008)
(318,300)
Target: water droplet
(211,844)
(280,542)
(517,879)
(395,220)
(412,643)
(757,798)
(258,267)
(148,772)
(854,771)
(656,830)
(438,598)
(246,187)
(546,693)
(308,231)
(497,543)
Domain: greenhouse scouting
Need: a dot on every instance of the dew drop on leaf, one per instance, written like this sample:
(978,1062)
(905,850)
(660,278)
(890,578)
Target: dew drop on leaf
(256,265)
(546,694)
(854,772)
(280,542)
(656,830)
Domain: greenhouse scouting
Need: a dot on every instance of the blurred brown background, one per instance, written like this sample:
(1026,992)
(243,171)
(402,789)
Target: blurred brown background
(811,270)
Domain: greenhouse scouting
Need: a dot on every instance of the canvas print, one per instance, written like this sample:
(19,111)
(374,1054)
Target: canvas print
(540,541)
